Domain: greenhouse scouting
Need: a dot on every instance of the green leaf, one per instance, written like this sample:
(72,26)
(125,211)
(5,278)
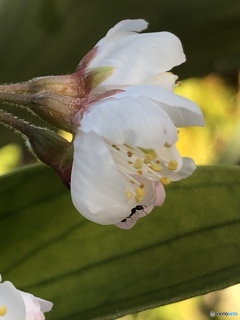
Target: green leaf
(187,247)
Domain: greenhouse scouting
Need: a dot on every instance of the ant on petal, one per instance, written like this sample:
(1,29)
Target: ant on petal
(134,210)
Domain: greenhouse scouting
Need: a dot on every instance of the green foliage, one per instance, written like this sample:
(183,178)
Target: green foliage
(187,247)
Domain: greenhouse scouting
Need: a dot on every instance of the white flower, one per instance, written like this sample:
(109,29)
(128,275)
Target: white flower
(137,58)
(19,305)
(124,147)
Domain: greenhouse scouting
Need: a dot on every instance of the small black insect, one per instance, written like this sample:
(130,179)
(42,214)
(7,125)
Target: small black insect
(134,210)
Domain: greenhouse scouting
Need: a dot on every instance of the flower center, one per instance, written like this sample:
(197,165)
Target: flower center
(3,310)
(135,162)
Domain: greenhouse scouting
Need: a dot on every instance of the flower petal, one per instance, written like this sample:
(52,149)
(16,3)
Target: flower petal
(165,80)
(160,194)
(45,305)
(154,195)
(12,300)
(167,154)
(138,57)
(188,166)
(35,307)
(97,187)
(122,28)
(134,121)
(182,111)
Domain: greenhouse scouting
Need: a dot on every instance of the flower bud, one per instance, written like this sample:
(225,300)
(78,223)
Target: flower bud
(55,99)
(48,146)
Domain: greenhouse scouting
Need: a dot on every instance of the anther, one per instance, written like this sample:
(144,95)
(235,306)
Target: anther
(138,164)
(166,145)
(138,199)
(3,310)
(156,167)
(165,181)
(115,147)
(148,158)
(172,165)
(130,154)
(178,83)
(128,194)
(140,192)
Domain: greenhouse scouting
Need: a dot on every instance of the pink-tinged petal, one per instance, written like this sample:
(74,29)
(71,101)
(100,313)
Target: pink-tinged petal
(138,57)
(97,187)
(133,121)
(182,111)
(160,194)
(11,299)
(130,222)
(35,307)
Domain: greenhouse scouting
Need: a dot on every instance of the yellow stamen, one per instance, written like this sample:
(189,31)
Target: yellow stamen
(172,165)
(3,310)
(138,199)
(139,172)
(138,164)
(149,151)
(167,145)
(139,193)
(165,181)
(130,154)
(148,158)
(179,83)
(115,147)
(129,195)
(156,167)
(130,162)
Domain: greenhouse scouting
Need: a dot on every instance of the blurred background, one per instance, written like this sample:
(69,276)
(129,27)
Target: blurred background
(49,37)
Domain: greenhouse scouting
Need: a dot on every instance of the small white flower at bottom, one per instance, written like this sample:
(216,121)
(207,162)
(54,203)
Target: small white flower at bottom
(19,305)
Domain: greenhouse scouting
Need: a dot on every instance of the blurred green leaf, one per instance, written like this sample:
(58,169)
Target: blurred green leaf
(188,247)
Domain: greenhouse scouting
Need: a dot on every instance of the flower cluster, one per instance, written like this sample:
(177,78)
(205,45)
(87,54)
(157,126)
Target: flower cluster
(123,113)
(19,305)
